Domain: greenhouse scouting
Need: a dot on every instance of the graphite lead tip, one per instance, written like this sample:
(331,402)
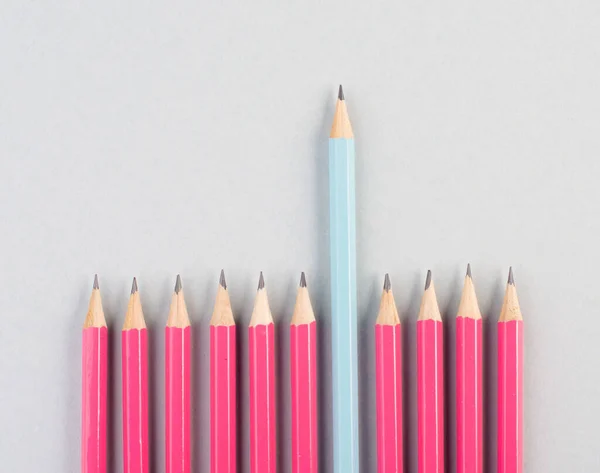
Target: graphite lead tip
(302,280)
(134,287)
(222,281)
(387,285)
(261,282)
(177,284)
(469,269)
(428,279)
(341,93)
(511,279)
(96,285)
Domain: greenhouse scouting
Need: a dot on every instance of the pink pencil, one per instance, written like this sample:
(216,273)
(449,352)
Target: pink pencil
(510,382)
(178,415)
(223,427)
(94,349)
(469,412)
(430,383)
(135,387)
(261,355)
(388,362)
(303,377)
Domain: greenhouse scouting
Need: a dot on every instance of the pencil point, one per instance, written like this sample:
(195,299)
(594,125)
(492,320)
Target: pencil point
(429,309)
(177,284)
(95,314)
(222,281)
(134,317)
(261,282)
(341,126)
(302,280)
(387,285)
(510,306)
(468,306)
(511,279)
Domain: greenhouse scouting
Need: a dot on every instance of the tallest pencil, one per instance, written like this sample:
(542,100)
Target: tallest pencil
(342,222)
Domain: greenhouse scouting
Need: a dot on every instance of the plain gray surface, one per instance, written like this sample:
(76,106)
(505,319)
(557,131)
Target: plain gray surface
(145,139)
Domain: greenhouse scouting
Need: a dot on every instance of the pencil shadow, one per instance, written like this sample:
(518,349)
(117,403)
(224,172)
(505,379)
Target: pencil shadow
(319,286)
(490,355)
(72,425)
(242,311)
(115,305)
(156,453)
(366,380)
(282,366)
(156,378)
(113,428)
(325,413)
(449,320)
(408,318)
(199,310)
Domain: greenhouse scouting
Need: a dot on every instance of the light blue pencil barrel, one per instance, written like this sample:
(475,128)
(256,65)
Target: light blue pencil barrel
(342,218)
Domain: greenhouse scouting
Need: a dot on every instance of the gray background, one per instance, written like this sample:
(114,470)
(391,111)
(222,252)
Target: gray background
(147,139)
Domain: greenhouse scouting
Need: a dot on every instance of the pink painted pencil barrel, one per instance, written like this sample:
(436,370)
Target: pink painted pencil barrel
(469,411)
(135,387)
(93,446)
(178,399)
(388,366)
(94,349)
(303,376)
(263,454)
(304,398)
(510,383)
(261,357)
(223,426)
(135,401)
(430,387)
(389,398)
(430,383)
(223,372)
(510,396)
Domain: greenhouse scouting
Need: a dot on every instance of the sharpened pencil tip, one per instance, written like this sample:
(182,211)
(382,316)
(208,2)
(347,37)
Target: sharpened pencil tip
(177,284)
(134,287)
(341,93)
(469,269)
(428,279)
(511,278)
(222,281)
(387,284)
(261,282)
(302,279)
(96,285)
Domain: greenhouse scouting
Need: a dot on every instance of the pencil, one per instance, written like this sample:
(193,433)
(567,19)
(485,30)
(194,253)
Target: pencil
(342,223)
(135,386)
(510,382)
(261,356)
(303,376)
(430,383)
(94,350)
(223,427)
(469,413)
(178,356)
(388,362)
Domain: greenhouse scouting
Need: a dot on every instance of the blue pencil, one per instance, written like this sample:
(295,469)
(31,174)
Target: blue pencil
(342,221)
